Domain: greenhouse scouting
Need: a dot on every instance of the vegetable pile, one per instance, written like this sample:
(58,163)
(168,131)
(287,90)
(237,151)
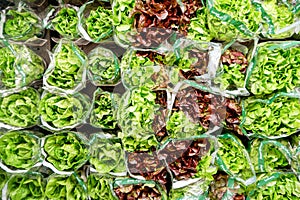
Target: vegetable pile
(150,100)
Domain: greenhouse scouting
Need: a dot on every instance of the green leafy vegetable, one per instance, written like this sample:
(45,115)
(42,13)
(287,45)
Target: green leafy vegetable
(228,20)
(99,187)
(65,22)
(65,187)
(232,155)
(19,66)
(103,67)
(22,25)
(69,67)
(276,186)
(20,149)
(20,109)
(99,23)
(277,118)
(273,157)
(66,150)
(61,111)
(26,186)
(135,116)
(103,113)
(277,68)
(281,16)
(122,20)
(107,155)
(180,126)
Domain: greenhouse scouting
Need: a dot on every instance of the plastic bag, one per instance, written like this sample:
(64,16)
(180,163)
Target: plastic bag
(19,66)
(103,67)
(67,70)
(274,68)
(63,111)
(20,23)
(107,155)
(95,21)
(74,150)
(272,118)
(20,151)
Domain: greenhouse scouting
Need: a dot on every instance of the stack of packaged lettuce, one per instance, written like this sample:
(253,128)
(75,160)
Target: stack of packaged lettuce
(140,99)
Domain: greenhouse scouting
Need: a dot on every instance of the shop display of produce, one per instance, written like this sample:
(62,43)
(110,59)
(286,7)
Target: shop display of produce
(150,99)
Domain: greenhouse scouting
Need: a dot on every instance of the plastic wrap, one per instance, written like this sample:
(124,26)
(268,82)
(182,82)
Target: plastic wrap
(95,21)
(67,69)
(62,111)
(107,155)
(19,109)
(103,67)
(73,148)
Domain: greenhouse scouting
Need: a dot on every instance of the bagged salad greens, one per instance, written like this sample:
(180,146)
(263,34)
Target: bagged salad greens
(20,23)
(231,73)
(233,159)
(95,21)
(276,186)
(279,18)
(64,20)
(128,187)
(67,69)
(26,186)
(272,118)
(19,109)
(275,67)
(107,154)
(103,67)
(4,176)
(19,66)
(73,150)
(103,114)
(142,117)
(20,150)
(238,19)
(99,187)
(270,155)
(65,187)
(224,187)
(63,111)
(190,160)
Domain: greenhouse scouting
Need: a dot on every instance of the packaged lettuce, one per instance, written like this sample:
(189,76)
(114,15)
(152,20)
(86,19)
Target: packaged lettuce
(63,111)
(127,188)
(20,150)
(20,23)
(233,159)
(19,66)
(276,186)
(65,187)
(103,114)
(279,18)
(224,187)
(95,21)
(274,68)
(103,67)
(270,155)
(107,154)
(99,187)
(67,69)
(271,118)
(19,109)
(142,117)
(238,19)
(64,20)
(72,147)
(26,186)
